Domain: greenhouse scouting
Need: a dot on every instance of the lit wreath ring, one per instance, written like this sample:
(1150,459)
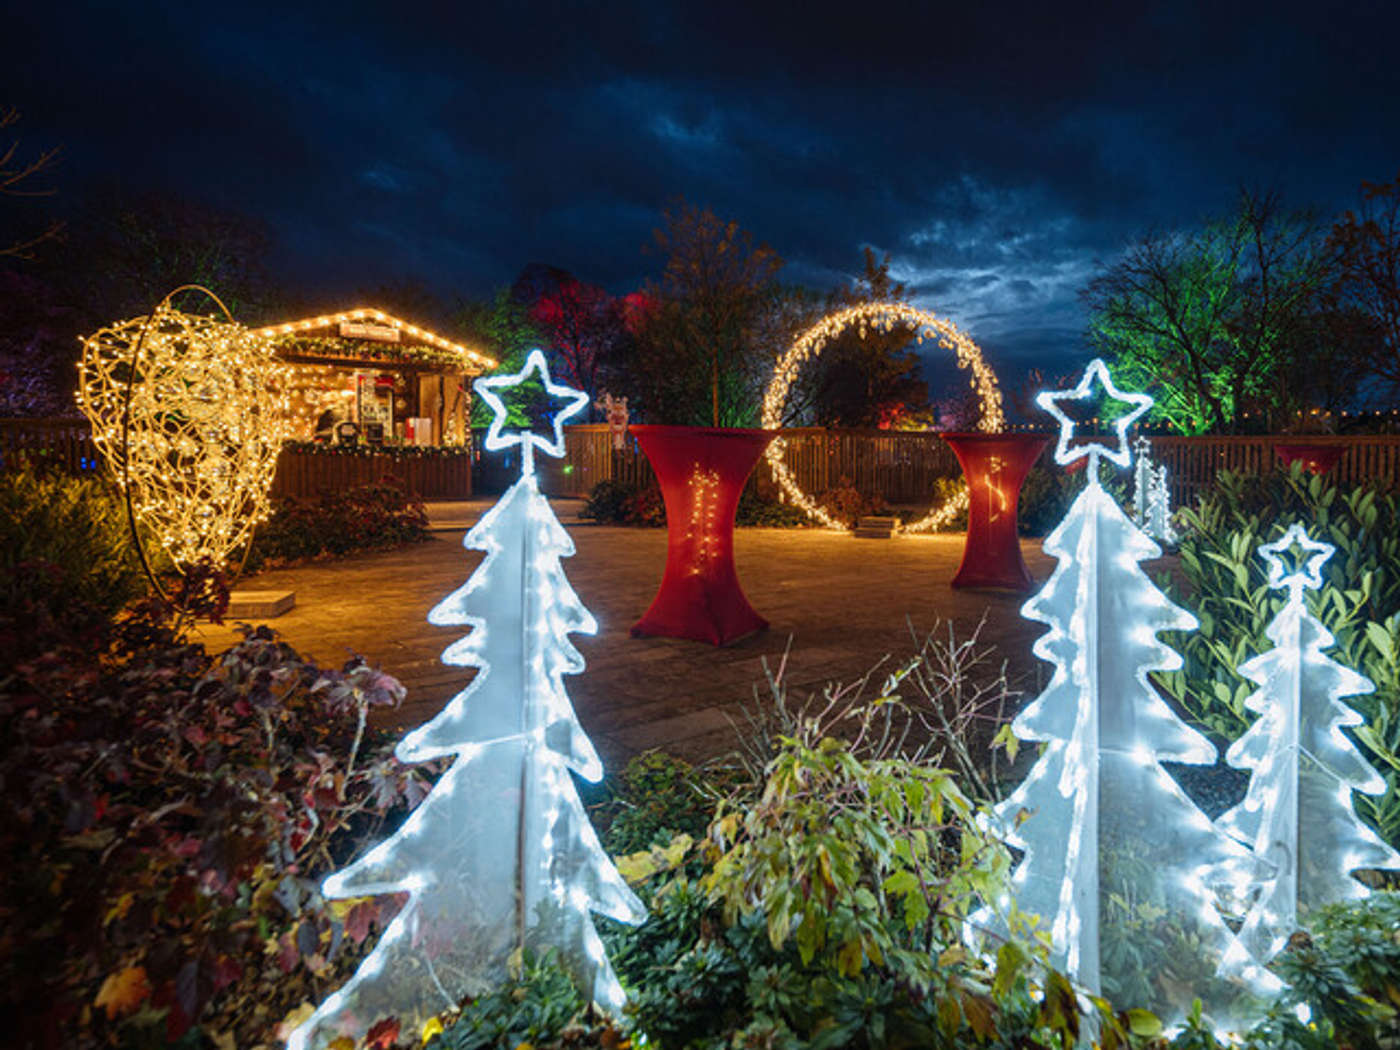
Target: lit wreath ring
(883,316)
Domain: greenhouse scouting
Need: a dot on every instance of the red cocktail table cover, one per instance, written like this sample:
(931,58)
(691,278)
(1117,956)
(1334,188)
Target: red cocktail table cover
(701,471)
(1317,458)
(995,466)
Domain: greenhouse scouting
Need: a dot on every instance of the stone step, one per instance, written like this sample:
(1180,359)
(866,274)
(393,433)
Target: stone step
(258,605)
(876,528)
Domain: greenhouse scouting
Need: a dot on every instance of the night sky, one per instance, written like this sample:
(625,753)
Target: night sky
(999,152)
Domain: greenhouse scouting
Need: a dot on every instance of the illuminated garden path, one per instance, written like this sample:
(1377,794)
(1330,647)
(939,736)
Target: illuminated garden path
(845,602)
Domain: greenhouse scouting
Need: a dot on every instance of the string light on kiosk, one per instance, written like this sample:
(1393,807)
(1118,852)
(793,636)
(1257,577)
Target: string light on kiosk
(369,313)
(882,316)
(189,414)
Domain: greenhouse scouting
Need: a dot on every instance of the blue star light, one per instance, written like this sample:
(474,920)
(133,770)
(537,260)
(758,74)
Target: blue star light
(1049,400)
(528,441)
(1307,562)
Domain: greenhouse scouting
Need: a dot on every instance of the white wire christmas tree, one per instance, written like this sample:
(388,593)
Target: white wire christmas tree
(500,856)
(1297,812)
(1119,864)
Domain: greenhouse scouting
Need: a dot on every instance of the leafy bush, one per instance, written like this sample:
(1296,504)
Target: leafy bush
(758,511)
(945,489)
(1045,499)
(1226,585)
(535,1009)
(623,503)
(847,504)
(653,799)
(67,562)
(859,861)
(168,815)
(368,517)
(608,501)
(827,915)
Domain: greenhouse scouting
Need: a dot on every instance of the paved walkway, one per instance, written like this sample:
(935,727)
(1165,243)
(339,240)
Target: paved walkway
(843,602)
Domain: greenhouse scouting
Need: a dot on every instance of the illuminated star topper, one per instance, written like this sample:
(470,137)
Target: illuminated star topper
(528,441)
(1306,556)
(1049,400)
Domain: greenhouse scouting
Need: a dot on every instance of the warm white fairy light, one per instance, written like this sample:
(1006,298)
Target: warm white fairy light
(1297,813)
(1103,827)
(207,418)
(469,356)
(883,316)
(700,529)
(500,856)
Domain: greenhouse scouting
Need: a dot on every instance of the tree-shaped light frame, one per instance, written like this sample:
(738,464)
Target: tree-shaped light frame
(500,856)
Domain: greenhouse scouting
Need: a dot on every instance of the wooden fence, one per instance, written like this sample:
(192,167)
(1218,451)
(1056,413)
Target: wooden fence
(1193,462)
(301,474)
(67,445)
(63,443)
(901,466)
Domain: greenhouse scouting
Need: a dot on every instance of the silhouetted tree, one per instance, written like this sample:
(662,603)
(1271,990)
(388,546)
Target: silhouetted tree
(1202,317)
(125,250)
(871,380)
(580,323)
(37,349)
(500,327)
(20,233)
(1368,244)
(708,337)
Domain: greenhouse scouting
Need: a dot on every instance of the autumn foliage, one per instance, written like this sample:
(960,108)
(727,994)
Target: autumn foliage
(166,811)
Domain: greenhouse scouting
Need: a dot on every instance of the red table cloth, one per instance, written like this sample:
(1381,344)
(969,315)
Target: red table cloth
(701,471)
(995,466)
(1317,458)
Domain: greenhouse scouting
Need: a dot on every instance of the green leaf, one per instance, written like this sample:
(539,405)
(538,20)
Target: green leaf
(1381,640)
(902,883)
(1144,1023)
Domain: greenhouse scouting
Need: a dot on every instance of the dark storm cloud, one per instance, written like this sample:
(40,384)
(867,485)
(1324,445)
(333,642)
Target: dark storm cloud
(997,152)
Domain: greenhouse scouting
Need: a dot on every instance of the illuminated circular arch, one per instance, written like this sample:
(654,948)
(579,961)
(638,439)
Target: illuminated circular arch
(187,414)
(883,316)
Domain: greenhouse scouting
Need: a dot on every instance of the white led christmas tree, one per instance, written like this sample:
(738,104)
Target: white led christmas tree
(1119,865)
(500,856)
(1297,812)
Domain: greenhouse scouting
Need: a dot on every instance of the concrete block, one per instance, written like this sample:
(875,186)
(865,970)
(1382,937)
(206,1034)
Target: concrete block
(258,605)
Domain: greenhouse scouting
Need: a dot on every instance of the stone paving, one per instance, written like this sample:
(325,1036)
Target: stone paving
(841,604)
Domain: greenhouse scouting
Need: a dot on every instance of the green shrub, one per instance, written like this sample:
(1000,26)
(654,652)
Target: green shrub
(856,860)
(847,504)
(1045,499)
(945,489)
(623,503)
(67,562)
(369,517)
(758,511)
(1226,586)
(532,1011)
(169,815)
(608,502)
(655,798)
